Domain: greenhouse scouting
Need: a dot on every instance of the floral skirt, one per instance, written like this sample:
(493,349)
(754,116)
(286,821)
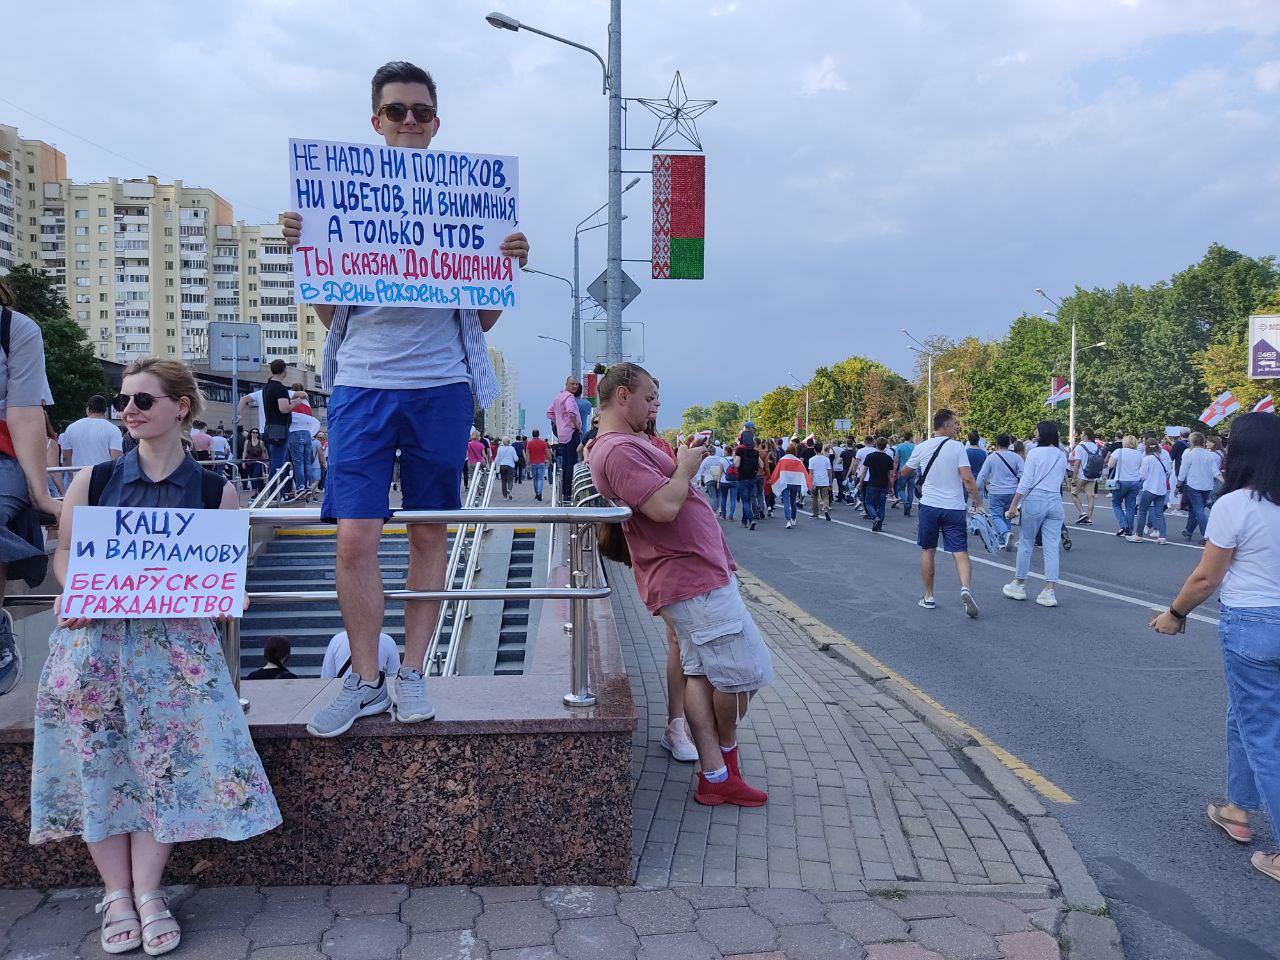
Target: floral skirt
(138,728)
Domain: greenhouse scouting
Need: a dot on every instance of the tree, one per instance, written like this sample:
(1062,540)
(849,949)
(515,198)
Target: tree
(73,370)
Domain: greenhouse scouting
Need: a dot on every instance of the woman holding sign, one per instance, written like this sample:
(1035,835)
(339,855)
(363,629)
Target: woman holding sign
(140,741)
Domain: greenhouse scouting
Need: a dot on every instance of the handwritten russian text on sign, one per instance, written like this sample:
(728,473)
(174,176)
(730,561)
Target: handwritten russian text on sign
(390,225)
(145,564)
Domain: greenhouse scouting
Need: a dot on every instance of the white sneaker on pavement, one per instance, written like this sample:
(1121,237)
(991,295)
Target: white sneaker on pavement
(412,704)
(1015,591)
(970,605)
(679,741)
(355,699)
(1047,598)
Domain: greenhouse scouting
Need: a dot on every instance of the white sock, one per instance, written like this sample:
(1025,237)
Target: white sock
(729,749)
(717,776)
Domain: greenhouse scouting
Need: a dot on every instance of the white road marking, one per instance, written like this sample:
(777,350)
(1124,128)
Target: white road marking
(1147,604)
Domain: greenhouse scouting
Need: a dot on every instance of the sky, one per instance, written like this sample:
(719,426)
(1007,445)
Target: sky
(920,164)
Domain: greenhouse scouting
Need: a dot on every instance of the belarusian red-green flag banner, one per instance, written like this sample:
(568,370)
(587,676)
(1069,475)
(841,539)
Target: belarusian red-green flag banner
(679,216)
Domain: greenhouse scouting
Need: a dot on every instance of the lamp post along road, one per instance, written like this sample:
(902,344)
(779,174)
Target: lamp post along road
(1071,373)
(573,314)
(613,297)
(805,387)
(613,88)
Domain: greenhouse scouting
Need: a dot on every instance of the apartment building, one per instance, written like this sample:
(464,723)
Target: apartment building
(501,419)
(25,166)
(146,265)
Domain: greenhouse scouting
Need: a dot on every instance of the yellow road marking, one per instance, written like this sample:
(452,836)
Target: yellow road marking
(1024,772)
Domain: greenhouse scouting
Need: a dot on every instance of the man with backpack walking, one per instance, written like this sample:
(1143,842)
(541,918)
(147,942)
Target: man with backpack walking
(1088,464)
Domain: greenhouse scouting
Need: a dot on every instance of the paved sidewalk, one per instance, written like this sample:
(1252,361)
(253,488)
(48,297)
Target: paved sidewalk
(875,845)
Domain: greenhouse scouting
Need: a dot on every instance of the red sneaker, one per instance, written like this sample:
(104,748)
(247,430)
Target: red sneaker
(731,761)
(734,790)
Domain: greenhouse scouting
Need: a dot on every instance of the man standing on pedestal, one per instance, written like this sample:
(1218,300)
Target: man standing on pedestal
(402,378)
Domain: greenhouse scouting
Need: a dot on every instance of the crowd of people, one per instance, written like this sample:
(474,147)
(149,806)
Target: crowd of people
(123,757)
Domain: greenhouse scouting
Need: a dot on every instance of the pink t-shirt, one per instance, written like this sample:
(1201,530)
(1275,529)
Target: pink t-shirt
(672,561)
(475,451)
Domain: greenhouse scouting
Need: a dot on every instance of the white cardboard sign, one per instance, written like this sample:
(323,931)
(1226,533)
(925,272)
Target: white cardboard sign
(151,564)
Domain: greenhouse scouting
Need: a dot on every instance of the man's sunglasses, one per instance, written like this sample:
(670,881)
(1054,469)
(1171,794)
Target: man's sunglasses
(143,401)
(396,112)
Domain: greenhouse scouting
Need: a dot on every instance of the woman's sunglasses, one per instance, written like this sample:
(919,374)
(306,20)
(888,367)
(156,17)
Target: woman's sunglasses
(143,401)
(396,112)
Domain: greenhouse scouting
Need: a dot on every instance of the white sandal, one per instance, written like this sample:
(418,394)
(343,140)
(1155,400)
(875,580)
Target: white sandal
(130,923)
(167,925)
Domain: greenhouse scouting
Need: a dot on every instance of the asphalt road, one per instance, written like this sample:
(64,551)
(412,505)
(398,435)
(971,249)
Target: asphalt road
(1126,721)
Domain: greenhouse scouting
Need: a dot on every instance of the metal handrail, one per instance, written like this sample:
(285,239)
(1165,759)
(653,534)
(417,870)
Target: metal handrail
(275,485)
(471,550)
(468,576)
(583,577)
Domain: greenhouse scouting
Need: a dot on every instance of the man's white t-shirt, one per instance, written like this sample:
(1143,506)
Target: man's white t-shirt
(90,440)
(820,469)
(220,447)
(1240,521)
(837,461)
(506,456)
(339,652)
(1083,451)
(943,488)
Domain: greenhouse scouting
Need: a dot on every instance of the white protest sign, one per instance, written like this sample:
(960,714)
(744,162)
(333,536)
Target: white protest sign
(391,225)
(148,564)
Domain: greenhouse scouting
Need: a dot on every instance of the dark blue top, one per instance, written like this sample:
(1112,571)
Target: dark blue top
(130,487)
(977,457)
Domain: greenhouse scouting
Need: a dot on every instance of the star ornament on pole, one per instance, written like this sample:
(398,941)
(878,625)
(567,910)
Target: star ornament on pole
(677,115)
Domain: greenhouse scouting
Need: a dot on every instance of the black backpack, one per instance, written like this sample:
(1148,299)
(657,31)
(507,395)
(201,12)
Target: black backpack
(1096,464)
(210,485)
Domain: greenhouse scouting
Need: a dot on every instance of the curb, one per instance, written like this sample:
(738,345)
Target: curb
(1088,935)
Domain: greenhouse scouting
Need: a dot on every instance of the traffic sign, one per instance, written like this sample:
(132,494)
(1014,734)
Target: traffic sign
(595,342)
(843,426)
(234,347)
(598,288)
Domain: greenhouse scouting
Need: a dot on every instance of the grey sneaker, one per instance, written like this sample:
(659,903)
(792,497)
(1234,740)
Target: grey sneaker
(356,699)
(412,704)
(970,605)
(10,655)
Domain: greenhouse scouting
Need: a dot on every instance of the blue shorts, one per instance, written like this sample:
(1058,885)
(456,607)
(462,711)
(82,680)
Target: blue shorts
(952,524)
(430,427)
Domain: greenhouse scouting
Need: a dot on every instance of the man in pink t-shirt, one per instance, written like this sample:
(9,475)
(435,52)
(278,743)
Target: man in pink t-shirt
(685,574)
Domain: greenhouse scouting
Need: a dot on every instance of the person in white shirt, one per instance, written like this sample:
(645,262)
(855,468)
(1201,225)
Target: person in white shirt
(944,469)
(93,438)
(337,656)
(711,475)
(837,470)
(1039,499)
(1082,482)
(1242,557)
(1155,476)
(1124,465)
(1197,473)
(506,461)
(998,481)
(820,469)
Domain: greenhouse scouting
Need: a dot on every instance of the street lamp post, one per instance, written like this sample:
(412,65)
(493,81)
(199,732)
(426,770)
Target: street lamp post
(573,314)
(929,355)
(1071,374)
(805,387)
(576,358)
(613,88)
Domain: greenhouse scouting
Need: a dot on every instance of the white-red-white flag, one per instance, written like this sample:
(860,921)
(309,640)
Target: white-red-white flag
(1265,405)
(1060,390)
(1220,409)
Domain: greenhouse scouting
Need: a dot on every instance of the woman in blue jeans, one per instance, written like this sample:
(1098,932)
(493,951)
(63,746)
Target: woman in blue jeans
(1039,499)
(1242,557)
(1126,464)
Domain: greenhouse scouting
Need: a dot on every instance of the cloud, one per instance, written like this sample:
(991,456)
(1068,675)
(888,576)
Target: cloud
(1267,77)
(822,77)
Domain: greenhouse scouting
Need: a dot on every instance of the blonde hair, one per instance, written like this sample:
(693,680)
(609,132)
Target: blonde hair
(1130,441)
(177,378)
(475,433)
